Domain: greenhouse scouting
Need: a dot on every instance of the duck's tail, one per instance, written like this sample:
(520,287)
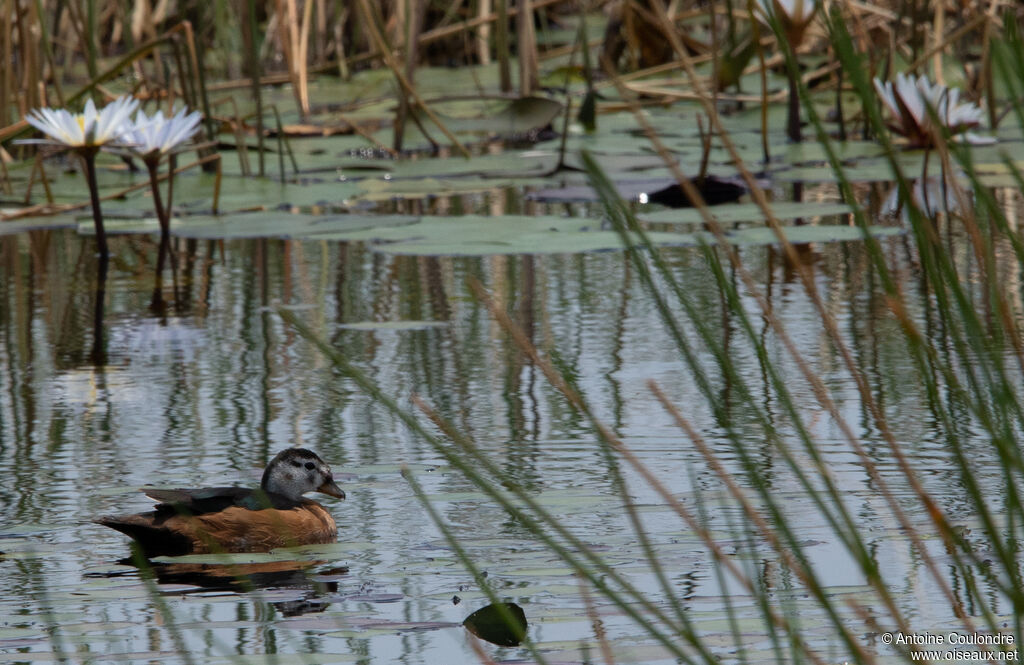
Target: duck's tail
(153,539)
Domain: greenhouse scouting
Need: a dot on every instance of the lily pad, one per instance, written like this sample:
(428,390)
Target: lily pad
(472,235)
(383,190)
(748,212)
(8,227)
(393,325)
(503,624)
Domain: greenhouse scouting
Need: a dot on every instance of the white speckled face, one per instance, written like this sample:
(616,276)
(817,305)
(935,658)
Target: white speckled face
(296,471)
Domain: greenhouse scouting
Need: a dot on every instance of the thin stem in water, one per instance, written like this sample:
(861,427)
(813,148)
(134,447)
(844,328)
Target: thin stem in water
(88,154)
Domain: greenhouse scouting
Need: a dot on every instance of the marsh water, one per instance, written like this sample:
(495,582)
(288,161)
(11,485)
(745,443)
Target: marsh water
(377,257)
(206,391)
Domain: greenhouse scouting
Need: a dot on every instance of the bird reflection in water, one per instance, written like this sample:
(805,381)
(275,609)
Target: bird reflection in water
(311,584)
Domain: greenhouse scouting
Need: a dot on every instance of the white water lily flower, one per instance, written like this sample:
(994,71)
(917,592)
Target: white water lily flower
(908,101)
(88,129)
(793,15)
(157,135)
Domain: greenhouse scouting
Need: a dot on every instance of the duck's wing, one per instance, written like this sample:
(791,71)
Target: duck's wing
(215,499)
(200,501)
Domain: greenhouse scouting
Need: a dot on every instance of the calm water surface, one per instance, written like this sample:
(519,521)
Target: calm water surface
(208,391)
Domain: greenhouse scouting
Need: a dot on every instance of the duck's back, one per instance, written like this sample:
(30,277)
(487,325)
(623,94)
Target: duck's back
(224,519)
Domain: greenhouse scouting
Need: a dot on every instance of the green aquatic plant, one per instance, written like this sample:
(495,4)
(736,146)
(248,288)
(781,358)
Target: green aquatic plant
(151,139)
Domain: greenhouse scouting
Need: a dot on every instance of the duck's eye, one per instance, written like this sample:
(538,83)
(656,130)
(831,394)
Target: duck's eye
(297,464)
(310,466)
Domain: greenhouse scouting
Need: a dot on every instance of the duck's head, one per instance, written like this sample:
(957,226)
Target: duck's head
(296,471)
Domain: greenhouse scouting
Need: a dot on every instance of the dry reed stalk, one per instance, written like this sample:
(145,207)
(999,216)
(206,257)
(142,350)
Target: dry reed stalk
(941,44)
(320,45)
(483,33)
(37,167)
(6,57)
(412,13)
(526,49)
(376,37)
(303,55)
(13,130)
(431,36)
(27,25)
(5,181)
(938,27)
(501,46)
(288,36)
(199,99)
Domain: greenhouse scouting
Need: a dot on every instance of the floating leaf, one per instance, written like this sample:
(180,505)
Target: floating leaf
(503,624)
(383,190)
(393,325)
(473,235)
(748,212)
(33,223)
(762,235)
